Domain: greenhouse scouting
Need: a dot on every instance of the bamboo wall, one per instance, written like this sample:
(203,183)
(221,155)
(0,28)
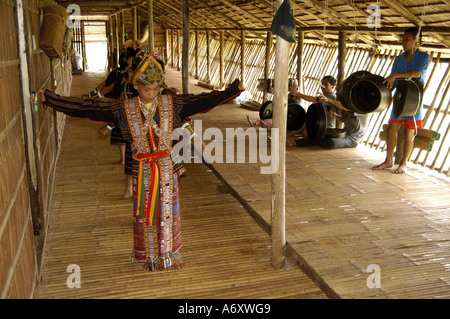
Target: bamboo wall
(318,61)
(29,140)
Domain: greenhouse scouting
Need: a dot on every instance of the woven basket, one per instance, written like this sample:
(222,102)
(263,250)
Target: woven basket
(53,30)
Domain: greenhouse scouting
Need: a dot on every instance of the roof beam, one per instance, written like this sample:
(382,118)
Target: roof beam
(404,12)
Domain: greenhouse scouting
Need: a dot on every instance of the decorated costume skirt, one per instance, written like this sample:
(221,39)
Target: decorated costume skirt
(156,245)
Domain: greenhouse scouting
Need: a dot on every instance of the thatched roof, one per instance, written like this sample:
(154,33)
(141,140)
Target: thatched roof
(320,19)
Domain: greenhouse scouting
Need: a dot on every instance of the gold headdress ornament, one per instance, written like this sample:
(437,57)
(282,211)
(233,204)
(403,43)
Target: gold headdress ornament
(149,71)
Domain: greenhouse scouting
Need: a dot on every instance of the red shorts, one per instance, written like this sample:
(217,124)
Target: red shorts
(410,124)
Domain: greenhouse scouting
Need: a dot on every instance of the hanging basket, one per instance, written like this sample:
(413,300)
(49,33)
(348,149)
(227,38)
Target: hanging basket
(408,97)
(53,30)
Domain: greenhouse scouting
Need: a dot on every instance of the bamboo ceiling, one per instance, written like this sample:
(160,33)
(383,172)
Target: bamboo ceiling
(321,19)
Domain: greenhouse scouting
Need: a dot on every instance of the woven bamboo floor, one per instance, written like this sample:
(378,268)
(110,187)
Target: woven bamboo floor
(226,251)
(341,218)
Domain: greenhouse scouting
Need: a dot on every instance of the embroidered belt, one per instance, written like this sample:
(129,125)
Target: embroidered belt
(149,209)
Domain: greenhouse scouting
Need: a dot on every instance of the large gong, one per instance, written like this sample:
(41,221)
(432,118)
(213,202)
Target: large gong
(266,110)
(364,92)
(316,122)
(408,97)
(343,93)
(296,114)
(369,94)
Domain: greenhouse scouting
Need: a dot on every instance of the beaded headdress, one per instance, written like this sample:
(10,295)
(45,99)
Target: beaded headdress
(149,71)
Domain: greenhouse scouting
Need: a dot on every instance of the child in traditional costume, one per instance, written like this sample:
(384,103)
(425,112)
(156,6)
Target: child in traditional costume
(147,122)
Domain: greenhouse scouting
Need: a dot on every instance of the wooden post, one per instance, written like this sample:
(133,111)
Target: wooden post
(278,233)
(83,43)
(135,29)
(301,83)
(151,37)
(116,28)
(222,49)
(342,53)
(197,57)
(185,48)
(208,73)
(178,51)
(243,57)
(122,29)
(171,48)
(266,64)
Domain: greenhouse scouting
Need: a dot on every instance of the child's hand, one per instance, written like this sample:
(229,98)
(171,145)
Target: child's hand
(42,96)
(102,131)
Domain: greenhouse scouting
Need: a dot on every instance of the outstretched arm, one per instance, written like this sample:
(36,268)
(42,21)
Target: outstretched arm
(296,93)
(335,103)
(188,105)
(95,110)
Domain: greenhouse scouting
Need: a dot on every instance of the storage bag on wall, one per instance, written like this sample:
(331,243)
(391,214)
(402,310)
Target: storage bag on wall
(53,30)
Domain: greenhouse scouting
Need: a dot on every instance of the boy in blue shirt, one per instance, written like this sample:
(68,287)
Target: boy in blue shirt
(410,64)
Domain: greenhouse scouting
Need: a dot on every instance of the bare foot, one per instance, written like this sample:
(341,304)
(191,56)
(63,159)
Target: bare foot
(252,122)
(401,169)
(382,166)
(128,190)
(179,264)
(290,142)
(265,125)
(128,193)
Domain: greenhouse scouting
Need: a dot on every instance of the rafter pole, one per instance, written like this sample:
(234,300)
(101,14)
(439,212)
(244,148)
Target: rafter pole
(407,14)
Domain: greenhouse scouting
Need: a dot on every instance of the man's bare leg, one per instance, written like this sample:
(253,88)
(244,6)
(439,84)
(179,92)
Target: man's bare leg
(408,145)
(391,143)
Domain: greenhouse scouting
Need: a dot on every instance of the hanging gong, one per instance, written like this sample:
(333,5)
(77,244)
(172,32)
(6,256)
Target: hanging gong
(296,116)
(266,110)
(408,97)
(316,122)
(369,94)
(344,90)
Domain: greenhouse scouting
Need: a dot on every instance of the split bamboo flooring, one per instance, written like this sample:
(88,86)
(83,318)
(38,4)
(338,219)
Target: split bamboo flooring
(342,218)
(226,251)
